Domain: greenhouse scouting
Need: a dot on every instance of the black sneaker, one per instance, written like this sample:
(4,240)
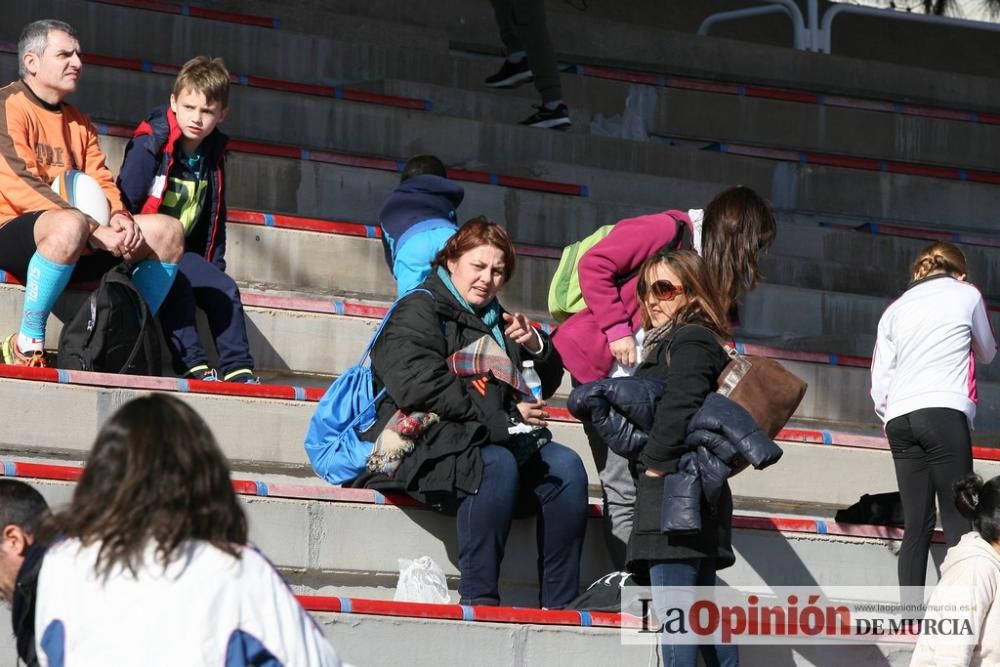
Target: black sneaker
(557,118)
(510,74)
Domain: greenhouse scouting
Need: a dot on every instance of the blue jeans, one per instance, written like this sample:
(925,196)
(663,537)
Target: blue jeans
(553,486)
(690,572)
(201,284)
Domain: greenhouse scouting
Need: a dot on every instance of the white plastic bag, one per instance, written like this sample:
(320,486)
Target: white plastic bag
(421,580)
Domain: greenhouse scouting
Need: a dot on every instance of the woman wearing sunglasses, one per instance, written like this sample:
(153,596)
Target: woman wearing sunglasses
(684,316)
(600,340)
(924,389)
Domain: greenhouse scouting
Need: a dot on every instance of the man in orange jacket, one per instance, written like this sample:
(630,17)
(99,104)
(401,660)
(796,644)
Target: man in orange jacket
(43,240)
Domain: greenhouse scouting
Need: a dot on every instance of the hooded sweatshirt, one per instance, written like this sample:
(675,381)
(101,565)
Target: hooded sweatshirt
(970,575)
(418,204)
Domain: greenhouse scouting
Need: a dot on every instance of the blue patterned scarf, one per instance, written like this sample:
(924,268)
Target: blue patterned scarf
(490,314)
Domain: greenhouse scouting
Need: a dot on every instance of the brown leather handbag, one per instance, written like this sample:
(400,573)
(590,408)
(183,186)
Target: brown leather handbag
(762,387)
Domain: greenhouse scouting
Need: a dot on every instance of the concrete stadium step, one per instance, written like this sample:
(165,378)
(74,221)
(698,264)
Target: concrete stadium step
(354,135)
(670,115)
(639,42)
(550,646)
(314,188)
(774,123)
(808,257)
(379,130)
(292,338)
(301,529)
(265,425)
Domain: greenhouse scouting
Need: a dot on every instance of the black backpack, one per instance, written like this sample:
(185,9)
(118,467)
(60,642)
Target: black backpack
(113,332)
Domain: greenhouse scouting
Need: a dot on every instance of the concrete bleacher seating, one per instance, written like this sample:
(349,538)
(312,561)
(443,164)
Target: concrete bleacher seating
(314,292)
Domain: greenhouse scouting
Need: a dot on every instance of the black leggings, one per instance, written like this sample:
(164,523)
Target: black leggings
(932,450)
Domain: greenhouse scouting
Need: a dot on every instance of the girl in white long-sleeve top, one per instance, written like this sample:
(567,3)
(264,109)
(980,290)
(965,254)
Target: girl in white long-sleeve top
(924,389)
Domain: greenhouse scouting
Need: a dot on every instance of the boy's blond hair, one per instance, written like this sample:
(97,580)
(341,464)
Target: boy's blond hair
(205,75)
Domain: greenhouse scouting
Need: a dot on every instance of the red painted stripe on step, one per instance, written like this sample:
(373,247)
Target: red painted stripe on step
(383,99)
(934,112)
(531,616)
(982,177)
(62,473)
(412,609)
(196,12)
(781,94)
(843,161)
(244,487)
(299,223)
(858,103)
(800,435)
(912,169)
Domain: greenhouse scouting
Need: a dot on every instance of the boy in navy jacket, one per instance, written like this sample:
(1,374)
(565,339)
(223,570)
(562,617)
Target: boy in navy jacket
(417,220)
(174,164)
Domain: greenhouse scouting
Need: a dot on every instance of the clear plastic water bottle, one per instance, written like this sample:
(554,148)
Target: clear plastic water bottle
(531,379)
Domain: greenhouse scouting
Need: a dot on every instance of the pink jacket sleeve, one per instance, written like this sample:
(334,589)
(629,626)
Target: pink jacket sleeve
(621,252)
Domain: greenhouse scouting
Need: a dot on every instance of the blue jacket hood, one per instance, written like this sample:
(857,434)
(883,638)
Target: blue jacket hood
(417,199)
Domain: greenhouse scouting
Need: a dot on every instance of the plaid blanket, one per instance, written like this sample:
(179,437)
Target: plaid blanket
(481,359)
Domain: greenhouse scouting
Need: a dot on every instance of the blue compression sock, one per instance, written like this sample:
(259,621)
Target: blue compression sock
(153,279)
(45,281)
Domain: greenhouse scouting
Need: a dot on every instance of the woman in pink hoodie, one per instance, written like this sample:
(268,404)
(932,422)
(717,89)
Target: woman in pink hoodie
(729,234)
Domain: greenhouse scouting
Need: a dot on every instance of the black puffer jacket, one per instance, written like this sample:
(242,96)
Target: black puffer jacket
(409,360)
(621,410)
(722,437)
(725,439)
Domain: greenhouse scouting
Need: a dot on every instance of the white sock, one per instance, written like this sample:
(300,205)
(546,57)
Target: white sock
(552,106)
(27,344)
(516,57)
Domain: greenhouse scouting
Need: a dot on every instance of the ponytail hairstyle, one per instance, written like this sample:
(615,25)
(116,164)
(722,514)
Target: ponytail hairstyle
(979,502)
(939,257)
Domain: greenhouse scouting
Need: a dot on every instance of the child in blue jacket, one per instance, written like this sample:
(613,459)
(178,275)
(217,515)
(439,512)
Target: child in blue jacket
(417,220)
(174,164)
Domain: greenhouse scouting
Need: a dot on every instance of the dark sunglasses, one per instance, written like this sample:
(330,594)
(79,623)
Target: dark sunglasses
(664,290)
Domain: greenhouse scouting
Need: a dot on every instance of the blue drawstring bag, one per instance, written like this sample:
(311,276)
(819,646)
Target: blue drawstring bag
(346,410)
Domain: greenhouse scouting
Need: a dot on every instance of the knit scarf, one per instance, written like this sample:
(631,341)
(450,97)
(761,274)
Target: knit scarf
(653,338)
(490,314)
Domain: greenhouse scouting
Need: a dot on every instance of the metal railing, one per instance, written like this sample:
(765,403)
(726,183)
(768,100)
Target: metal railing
(825,34)
(800,34)
(811,34)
